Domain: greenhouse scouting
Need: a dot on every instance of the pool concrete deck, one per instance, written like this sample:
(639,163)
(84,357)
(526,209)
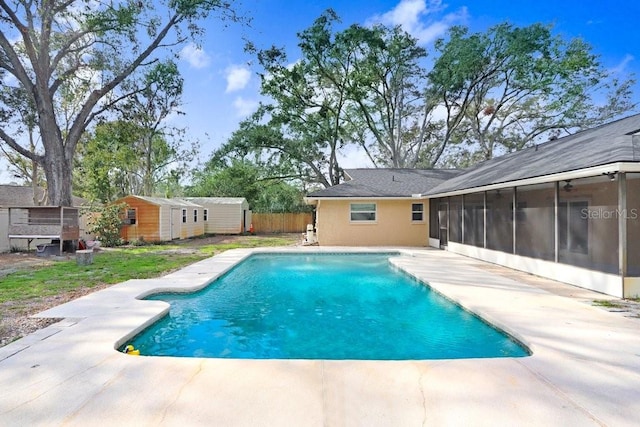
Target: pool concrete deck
(584,370)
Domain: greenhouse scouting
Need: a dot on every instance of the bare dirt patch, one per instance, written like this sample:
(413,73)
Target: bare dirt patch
(16,320)
(12,262)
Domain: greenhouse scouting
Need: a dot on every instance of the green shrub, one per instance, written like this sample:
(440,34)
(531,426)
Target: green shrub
(105,222)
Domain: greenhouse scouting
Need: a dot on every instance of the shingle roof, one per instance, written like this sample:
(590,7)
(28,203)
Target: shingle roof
(386,182)
(609,143)
(21,196)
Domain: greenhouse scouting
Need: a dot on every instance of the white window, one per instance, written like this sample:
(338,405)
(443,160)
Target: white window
(417,212)
(184,216)
(195,215)
(205,215)
(363,212)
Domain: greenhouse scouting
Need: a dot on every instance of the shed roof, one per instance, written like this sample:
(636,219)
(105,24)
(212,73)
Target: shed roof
(618,141)
(386,183)
(216,200)
(161,201)
(22,196)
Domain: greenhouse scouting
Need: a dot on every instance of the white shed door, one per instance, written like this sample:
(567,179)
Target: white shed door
(176,223)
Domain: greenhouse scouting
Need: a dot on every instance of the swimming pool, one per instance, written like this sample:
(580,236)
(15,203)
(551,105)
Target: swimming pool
(320,306)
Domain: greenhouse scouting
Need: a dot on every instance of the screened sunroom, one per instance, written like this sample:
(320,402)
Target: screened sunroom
(570,211)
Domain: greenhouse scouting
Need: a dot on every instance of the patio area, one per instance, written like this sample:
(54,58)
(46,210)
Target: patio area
(584,370)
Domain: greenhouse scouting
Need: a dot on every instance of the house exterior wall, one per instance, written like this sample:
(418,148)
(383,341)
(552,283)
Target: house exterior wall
(632,214)
(147,224)
(192,228)
(393,225)
(154,222)
(225,218)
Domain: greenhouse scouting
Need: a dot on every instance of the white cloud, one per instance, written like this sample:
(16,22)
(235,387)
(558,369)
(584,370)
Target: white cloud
(244,107)
(622,66)
(195,56)
(237,77)
(414,16)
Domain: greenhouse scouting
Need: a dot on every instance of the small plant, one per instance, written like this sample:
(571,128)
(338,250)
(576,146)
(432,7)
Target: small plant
(606,303)
(105,223)
(140,242)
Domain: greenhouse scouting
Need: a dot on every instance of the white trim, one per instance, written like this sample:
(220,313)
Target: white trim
(34,236)
(349,198)
(610,284)
(418,221)
(434,243)
(562,176)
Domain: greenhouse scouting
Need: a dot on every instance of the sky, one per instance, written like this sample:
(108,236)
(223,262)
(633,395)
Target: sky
(222,88)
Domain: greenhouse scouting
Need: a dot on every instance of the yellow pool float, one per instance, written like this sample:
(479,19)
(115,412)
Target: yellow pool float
(131,351)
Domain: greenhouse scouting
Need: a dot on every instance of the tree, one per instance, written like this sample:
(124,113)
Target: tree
(362,86)
(241,178)
(120,158)
(158,147)
(25,169)
(303,127)
(108,161)
(84,51)
(509,87)
(387,94)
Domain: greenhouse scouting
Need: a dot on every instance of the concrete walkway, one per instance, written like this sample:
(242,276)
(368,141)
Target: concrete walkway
(585,367)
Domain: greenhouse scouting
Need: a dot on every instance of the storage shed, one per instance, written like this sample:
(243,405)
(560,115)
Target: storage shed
(224,215)
(157,219)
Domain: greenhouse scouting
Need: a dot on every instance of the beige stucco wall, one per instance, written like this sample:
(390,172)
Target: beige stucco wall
(393,225)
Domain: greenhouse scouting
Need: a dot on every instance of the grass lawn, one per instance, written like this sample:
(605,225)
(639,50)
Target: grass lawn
(30,290)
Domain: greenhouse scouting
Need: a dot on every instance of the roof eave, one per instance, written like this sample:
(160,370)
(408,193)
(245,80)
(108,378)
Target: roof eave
(412,197)
(561,176)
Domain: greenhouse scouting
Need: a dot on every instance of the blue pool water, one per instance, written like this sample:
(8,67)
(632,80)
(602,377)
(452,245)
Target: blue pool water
(324,306)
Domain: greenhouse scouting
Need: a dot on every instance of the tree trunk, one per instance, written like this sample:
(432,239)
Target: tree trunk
(57,169)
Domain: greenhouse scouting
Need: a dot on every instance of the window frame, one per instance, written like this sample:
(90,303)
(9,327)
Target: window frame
(373,211)
(132,219)
(205,215)
(414,212)
(184,215)
(195,216)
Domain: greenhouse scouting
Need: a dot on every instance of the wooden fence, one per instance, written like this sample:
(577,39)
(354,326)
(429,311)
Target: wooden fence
(281,222)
